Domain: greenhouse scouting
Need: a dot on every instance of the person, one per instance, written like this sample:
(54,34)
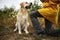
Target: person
(49,12)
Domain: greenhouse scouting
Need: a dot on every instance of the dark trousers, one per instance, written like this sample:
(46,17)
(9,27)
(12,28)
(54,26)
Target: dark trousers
(37,25)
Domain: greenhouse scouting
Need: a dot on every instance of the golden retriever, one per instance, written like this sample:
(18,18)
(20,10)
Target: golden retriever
(22,18)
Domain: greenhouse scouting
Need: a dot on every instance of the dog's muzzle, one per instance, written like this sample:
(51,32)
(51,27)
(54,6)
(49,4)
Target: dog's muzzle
(28,7)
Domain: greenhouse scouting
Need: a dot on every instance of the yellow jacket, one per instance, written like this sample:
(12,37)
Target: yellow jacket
(50,11)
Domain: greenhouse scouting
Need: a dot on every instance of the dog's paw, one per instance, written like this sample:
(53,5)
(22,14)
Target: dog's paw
(26,32)
(28,23)
(20,33)
(15,30)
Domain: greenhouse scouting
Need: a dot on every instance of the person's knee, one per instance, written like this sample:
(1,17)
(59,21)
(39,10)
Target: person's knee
(31,15)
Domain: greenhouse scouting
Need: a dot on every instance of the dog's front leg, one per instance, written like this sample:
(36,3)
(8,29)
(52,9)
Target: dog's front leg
(26,28)
(16,27)
(26,25)
(19,28)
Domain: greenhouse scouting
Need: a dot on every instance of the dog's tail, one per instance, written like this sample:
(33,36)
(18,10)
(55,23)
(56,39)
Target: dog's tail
(16,24)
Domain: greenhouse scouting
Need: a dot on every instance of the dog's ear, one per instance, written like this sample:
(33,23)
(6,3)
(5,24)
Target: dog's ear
(22,4)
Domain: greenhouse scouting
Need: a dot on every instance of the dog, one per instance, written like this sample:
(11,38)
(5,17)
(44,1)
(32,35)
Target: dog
(22,18)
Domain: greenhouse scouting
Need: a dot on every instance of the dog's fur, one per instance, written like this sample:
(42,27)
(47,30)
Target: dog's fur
(22,18)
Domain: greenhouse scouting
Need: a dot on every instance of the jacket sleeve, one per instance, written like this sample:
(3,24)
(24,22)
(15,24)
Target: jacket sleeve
(46,4)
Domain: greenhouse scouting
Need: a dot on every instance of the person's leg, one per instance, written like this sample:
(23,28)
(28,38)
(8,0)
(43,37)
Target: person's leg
(48,25)
(35,22)
(48,29)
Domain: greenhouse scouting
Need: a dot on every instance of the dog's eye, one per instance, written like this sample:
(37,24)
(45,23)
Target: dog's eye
(26,2)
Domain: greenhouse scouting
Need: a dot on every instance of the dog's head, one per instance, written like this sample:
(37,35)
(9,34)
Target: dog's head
(26,5)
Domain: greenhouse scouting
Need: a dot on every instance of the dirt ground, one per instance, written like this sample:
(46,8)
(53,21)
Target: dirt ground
(9,34)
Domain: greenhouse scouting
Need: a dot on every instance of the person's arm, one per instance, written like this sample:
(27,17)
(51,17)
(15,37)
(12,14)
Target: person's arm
(56,1)
(45,3)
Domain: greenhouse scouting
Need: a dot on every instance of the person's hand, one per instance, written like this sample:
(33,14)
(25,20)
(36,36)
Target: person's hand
(44,0)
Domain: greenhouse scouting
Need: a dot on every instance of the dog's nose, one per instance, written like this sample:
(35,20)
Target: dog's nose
(30,4)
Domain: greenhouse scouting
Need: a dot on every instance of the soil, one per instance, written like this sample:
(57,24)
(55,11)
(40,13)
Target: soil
(9,34)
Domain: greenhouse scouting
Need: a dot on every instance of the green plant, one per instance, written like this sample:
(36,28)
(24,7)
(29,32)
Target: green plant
(34,6)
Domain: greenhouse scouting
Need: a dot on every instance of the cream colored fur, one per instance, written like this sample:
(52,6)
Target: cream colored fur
(22,19)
